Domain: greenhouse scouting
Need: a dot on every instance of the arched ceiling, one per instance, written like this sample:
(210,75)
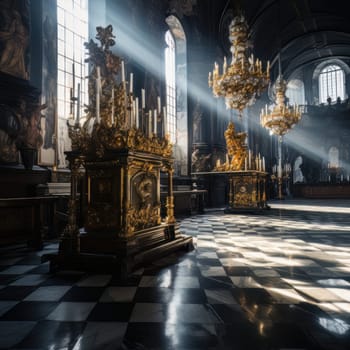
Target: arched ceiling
(303,31)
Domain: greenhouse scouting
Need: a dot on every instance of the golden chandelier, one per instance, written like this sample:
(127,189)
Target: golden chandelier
(283,117)
(244,78)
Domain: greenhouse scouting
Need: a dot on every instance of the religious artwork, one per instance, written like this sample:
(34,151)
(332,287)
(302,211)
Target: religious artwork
(14,38)
(236,147)
(20,126)
(200,162)
(197,120)
(48,151)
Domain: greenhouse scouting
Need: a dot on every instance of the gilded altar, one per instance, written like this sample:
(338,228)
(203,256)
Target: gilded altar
(118,154)
(246,189)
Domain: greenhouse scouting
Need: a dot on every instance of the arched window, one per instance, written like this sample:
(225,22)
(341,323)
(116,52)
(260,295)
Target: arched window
(176,90)
(170,70)
(72,33)
(296,92)
(331,83)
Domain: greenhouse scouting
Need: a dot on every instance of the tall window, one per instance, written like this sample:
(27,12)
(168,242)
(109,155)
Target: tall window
(170,69)
(331,83)
(72,32)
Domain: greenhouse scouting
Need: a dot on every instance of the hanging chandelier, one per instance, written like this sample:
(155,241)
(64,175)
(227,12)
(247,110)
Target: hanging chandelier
(283,117)
(244,78)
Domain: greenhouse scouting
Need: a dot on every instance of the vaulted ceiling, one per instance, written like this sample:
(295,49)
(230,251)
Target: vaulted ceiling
(303,31)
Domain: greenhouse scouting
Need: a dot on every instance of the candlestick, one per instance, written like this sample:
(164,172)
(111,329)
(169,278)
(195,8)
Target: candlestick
(78,105)
(131,82)
(73,73)
(134,113)
(155,121)
(71,103)
(165,122)
(123,72)
(158,104)
(98,88)
(149,123)
(137,112)
(143,92)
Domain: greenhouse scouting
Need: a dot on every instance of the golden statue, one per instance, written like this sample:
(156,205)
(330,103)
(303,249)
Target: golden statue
(236,148)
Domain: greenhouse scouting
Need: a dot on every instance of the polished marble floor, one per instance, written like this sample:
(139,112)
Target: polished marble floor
(279,280)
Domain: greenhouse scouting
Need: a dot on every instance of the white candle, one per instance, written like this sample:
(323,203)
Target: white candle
(133,110)
(155,121)
(131,82)
(123,72)
(249,159)
(158,104)
(149,123)
(137,112)
(263,163)
(143,92)
(165,122)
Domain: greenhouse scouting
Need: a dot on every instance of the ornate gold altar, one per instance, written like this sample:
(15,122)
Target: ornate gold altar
(119,153)
(245,173)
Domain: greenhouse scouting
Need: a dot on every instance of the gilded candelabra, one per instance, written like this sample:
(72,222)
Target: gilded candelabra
(283,117)
(243,79)
(279,121)
(113,115)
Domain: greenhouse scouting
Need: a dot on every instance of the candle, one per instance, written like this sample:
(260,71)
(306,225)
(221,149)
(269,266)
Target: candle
(112,116)
(98,88)
(225,65)
(263,164)
(73,73)
(249,159)
(143,93)
(155,121)
(245,163)
(227,159)
(165,122)
(123,72)
(78,105)
(133,110)
(131,82)
(71,102)
(149,123)
(158,104)
(137,112)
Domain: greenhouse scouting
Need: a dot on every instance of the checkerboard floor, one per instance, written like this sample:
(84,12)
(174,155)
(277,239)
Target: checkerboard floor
(278,280)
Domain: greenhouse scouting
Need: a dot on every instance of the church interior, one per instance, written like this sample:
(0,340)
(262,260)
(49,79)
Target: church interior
(174,175)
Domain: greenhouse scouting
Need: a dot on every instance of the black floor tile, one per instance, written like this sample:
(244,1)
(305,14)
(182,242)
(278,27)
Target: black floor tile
(83,294)
(15,292)
(30,311)
(111,312)
(53,335)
